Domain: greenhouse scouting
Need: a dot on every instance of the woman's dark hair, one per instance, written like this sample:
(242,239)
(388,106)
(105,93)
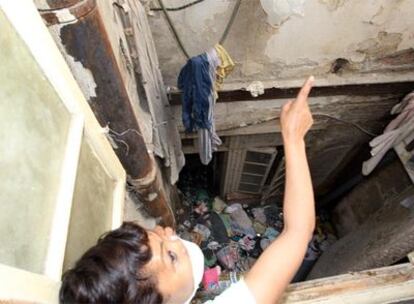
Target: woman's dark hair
(112,271)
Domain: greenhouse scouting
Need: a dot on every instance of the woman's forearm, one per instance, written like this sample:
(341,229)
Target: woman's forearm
(298,205)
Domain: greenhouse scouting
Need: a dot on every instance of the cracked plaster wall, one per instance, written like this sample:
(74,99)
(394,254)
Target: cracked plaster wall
(372,35)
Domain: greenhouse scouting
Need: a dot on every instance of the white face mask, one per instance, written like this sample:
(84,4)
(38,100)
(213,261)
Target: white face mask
(197,264)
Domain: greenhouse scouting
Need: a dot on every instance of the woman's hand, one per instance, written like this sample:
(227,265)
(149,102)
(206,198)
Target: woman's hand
(296,118)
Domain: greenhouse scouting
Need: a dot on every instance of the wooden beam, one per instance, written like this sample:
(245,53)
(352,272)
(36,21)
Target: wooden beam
(403,88)
(374,286)
(247,141)
(256,117)
(266,127)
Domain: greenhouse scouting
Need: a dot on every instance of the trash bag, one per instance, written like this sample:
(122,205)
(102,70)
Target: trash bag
(240,222)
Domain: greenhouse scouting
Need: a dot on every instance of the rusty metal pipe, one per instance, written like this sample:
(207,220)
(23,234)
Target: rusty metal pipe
(85,39)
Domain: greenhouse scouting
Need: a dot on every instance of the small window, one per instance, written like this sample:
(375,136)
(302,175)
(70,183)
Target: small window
(255,170)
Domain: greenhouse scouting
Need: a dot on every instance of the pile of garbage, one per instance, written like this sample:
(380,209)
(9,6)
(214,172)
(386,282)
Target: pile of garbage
(233,234)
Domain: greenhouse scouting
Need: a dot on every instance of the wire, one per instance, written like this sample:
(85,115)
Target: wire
(230,23)
(177,37)
(125,132)
(178,8)
(347,122)
(111,136)
(174,30)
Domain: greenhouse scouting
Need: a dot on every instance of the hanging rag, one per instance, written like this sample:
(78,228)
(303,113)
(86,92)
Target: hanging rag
(195,83)
(208,140)
(392,133)
(199,81)
(226,66)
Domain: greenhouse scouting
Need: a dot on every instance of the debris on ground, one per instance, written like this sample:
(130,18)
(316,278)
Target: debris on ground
(232,233)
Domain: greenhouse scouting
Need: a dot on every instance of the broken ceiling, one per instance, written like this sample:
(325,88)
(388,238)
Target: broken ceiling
(366,36)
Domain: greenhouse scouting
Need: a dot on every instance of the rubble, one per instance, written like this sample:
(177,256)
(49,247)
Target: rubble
(232,233)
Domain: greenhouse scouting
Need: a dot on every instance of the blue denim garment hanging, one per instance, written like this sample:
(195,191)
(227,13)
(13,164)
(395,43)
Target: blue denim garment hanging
(195,83)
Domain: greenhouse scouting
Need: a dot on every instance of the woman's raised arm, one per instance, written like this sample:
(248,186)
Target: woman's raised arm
(277,265)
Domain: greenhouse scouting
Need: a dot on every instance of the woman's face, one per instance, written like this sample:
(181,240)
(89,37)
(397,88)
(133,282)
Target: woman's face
(171,265)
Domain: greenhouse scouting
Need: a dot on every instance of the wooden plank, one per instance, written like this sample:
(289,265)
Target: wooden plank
(194,150)
(264,128)
(260,128)
(382,285)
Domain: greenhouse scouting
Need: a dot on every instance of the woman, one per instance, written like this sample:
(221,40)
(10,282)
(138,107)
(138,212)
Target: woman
(132,265)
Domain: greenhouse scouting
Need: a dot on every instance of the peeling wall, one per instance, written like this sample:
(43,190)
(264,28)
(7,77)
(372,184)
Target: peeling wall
(371,36)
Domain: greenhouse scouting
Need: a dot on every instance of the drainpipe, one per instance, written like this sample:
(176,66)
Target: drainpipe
(79,31)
